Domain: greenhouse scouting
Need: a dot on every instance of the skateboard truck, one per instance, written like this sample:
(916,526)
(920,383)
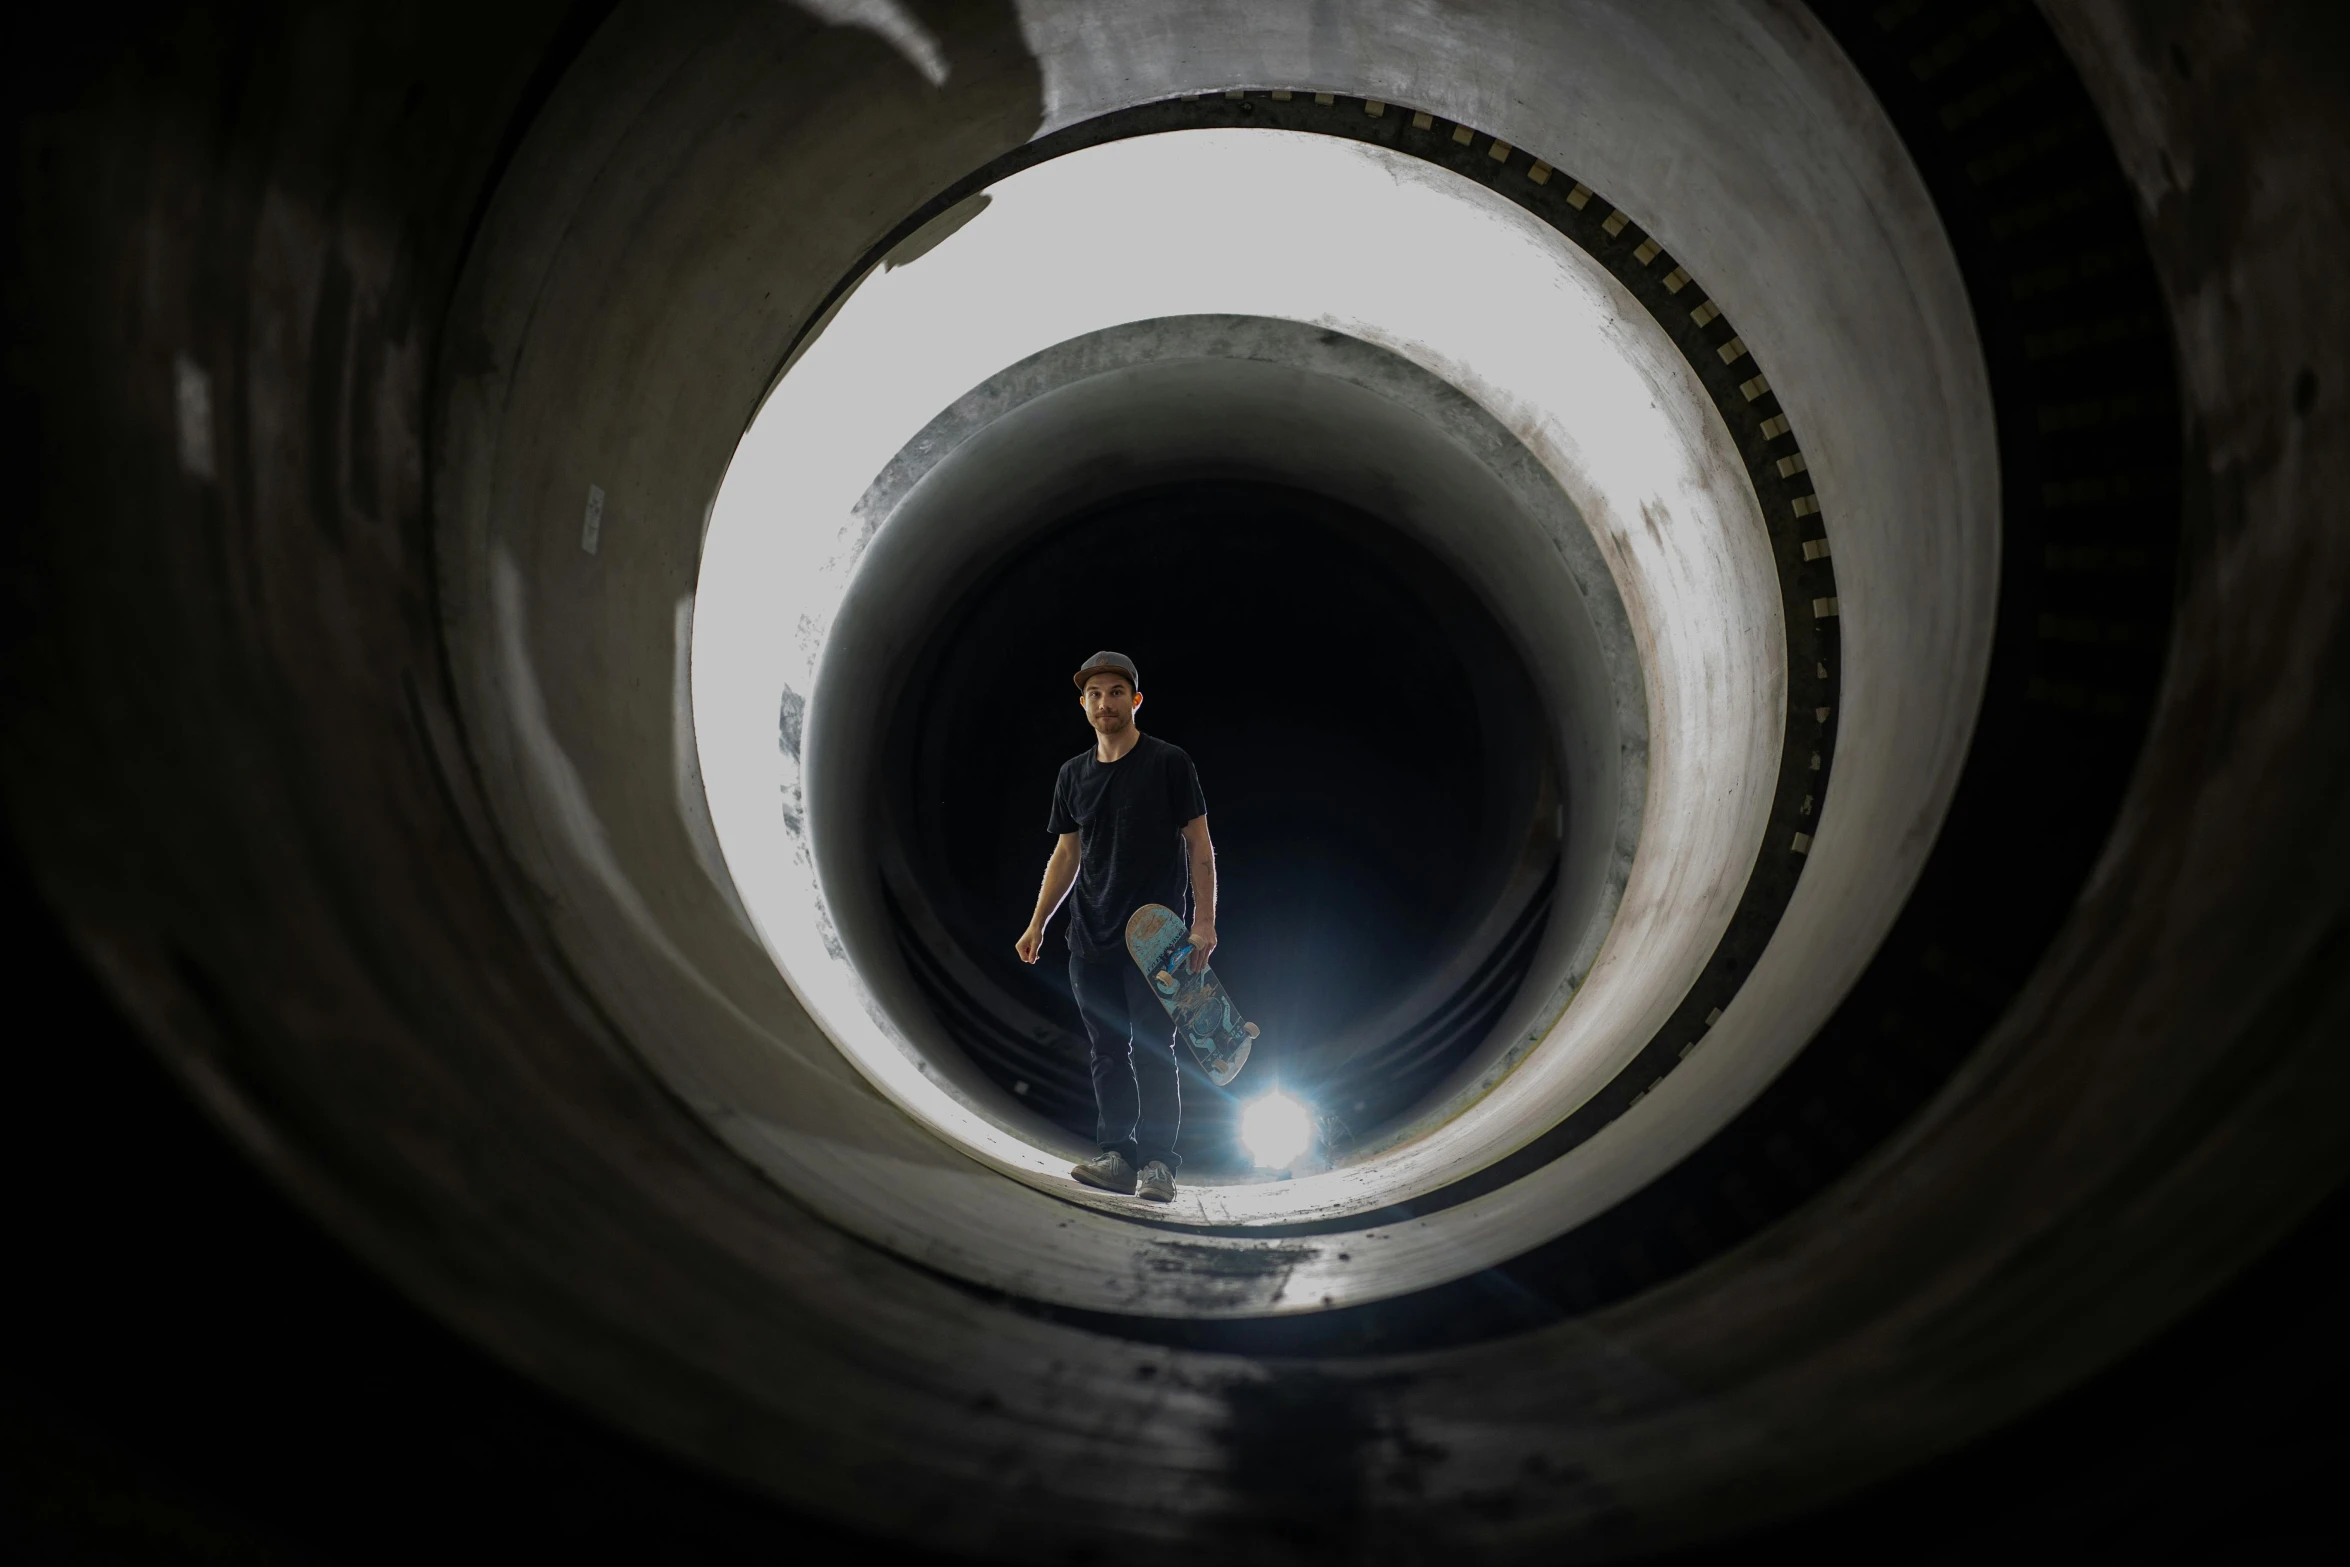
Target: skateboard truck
(1164,980)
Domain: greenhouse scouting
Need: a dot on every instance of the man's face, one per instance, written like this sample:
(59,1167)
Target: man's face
(1110,703)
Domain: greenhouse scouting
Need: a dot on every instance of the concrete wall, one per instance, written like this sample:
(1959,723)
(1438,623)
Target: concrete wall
(239,768)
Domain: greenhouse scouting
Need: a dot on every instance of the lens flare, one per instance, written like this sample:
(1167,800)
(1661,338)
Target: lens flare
(1276,1130)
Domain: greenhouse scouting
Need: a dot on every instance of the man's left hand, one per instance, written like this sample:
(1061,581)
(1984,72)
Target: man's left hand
(1203,946)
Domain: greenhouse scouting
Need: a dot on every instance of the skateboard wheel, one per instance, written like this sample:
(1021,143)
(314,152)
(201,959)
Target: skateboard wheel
(1249,1029)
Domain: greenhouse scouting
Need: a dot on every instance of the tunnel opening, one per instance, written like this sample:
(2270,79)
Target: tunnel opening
(1363,499)
(1378,765)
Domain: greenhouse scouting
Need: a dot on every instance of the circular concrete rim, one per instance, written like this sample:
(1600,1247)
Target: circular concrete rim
(861,1167)
(1270,401)
(1693,614)
(1674,559)
(1740,396)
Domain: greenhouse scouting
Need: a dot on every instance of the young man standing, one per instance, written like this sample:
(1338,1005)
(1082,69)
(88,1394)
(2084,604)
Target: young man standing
(1133,829)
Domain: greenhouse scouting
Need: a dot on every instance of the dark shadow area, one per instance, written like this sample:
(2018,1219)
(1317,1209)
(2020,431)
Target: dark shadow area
(1376,765)
(195,1372)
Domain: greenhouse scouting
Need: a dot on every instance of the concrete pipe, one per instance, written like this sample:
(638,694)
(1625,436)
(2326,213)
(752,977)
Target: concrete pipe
(1663,526)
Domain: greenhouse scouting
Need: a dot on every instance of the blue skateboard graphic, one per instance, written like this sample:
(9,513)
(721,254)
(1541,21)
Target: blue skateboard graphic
(1159,944)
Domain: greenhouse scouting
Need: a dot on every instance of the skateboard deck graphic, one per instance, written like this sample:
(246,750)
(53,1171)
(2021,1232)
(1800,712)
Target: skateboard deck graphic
(1161,947)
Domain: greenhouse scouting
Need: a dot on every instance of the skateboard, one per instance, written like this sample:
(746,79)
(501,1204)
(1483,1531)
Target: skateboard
(1156,939)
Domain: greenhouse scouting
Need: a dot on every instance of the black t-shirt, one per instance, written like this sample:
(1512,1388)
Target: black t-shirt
(1128,816)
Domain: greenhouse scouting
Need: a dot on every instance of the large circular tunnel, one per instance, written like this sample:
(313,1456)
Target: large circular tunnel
(1753,590)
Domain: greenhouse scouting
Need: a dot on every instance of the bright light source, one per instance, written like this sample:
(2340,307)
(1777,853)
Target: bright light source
(1277,1130)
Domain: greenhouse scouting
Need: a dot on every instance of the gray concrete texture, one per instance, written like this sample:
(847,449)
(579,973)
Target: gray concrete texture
(1273,401)
(1907,491)
(368,795)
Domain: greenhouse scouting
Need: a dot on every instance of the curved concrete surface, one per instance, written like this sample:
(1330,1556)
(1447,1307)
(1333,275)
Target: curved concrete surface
(1244,397)
(1369,450)
(420,963)
(1692,564)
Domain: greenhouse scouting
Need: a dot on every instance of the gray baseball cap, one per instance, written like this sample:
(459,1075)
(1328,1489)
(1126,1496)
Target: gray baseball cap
(1108,660)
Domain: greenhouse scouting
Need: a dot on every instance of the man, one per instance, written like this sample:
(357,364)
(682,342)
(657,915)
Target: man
(1133,830)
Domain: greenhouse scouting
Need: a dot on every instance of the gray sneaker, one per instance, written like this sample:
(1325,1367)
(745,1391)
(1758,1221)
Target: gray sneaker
(1110,1172)
(1157,1182)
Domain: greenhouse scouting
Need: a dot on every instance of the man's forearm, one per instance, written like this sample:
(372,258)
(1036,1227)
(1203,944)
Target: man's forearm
(1060,874)
(1203,885)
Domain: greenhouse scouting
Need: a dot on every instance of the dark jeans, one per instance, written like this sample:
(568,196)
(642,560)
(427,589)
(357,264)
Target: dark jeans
(1137,1092)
